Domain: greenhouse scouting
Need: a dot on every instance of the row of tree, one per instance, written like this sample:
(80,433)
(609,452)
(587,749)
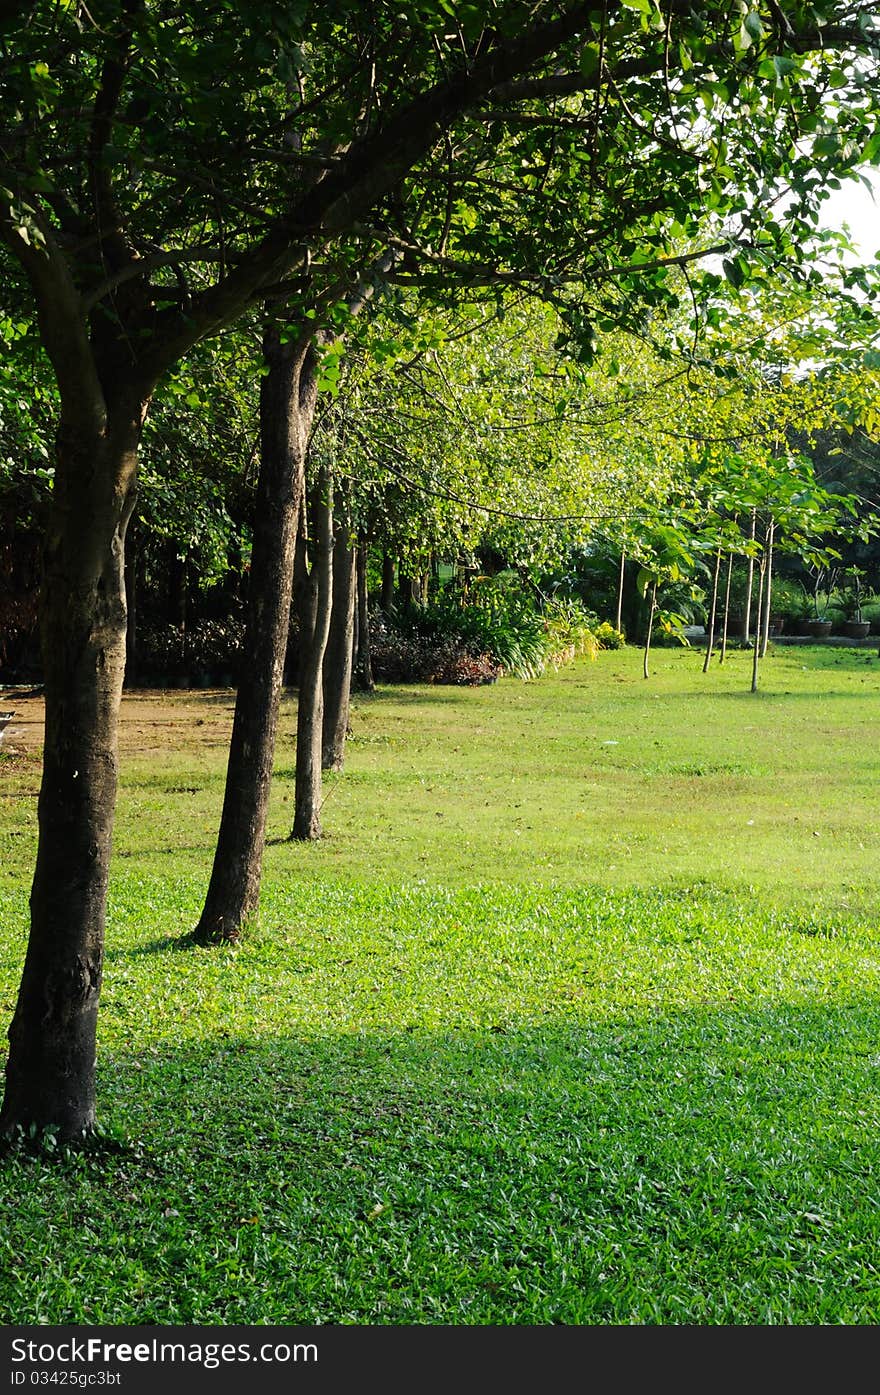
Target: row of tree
(169,172)
(482,443)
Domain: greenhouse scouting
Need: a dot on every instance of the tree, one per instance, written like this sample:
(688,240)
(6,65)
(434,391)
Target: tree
(150,204)
(288,393)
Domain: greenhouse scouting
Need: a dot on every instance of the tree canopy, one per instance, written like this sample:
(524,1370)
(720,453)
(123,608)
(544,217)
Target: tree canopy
(166,169)
(163,166)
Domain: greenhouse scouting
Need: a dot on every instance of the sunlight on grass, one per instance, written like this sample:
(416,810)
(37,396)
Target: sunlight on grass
(549,1029)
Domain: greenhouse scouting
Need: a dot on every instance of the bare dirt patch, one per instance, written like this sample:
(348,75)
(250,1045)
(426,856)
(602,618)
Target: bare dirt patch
(150,721)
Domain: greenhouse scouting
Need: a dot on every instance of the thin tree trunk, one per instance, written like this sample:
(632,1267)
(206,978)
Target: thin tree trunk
(723,655)
(757,644)
(618,623)
(288,393)
(650,629)
(339,654)
(356,622)
(176,593)
(408,589)
(386,595)
(710,637)
(750,575)
(50,1071)
(313,638)
(304,594)
(364,656)
(768,592)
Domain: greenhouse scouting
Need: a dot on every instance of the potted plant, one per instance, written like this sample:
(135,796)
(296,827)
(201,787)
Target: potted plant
(800,609)
(820,624)
(790,606)
(854,625)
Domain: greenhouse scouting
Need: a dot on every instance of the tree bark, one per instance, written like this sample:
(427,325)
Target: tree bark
(750,574)
(386,595)
(768,592)
(288,392)
(409,590)
(304,595)
(339,654)
(176,599)
(723,655)
(314,629)
(653,607)
(50,1072)
(618,624)
(710,637)
(364,653)
(756,648)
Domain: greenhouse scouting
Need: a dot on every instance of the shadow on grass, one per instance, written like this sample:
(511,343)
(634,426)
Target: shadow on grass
(708,1166)
(163,944)
(167,851)
(766,692)
(416,694)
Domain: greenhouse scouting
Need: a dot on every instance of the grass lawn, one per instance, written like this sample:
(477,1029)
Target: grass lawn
(573,1018)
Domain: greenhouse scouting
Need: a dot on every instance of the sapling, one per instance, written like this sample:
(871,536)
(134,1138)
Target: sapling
(710,637)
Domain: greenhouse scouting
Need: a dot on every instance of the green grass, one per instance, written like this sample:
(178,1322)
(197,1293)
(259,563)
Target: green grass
(548,1030)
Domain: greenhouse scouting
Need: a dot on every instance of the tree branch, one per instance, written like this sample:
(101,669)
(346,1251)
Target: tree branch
(107,214)
(368,171)
(143,266)
(62,320)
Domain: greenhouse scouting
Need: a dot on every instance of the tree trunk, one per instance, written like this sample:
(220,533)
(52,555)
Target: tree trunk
(386,595)
(723,654)
(175,605)
(750,573)
(768,592)
(756,648)
(304,595)
(618,623)
(314,629)
(50,1072)
(339,654)
(408,590)
(363,655)
(653,607)
(287,403)
(710,637)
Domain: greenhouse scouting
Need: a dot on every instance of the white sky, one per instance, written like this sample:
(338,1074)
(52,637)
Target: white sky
(853,204)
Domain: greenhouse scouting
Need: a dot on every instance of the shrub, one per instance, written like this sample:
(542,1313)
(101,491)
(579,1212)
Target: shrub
(497,628)
(160,649)
(838,617)
(211,645)
(789,598)
(569,630)
(466,670)
(401,655)
(215,644)
(607,637)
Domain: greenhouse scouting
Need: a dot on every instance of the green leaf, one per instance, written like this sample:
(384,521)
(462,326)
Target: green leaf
(735,271)
(753,26)
(644,581)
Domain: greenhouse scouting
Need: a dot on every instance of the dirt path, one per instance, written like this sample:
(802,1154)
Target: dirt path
(150,720)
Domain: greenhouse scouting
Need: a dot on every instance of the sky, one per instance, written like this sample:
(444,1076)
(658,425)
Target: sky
(852,204)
